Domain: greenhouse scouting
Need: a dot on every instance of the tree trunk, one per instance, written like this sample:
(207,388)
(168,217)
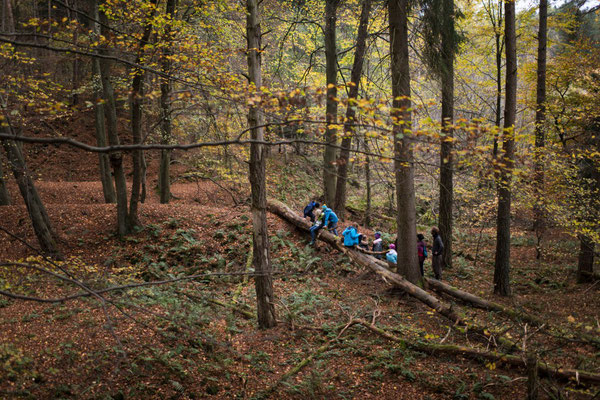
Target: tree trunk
(446,158)
(75,87)
(368,185)
(403,164)
(4,196)
(164,183)
(110,112)
(502,261)
(108,188)
(497,23)
(532,376)
(540,118)
(344,159)
(33,202)
(8,21)
(261,258)
(137,97)
(329,153)
(585,262)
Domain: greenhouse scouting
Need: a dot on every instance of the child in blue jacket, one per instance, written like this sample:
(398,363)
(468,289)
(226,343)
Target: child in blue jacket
(351,236)
(330,220)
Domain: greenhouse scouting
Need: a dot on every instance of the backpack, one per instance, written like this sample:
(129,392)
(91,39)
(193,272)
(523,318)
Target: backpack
(425,251)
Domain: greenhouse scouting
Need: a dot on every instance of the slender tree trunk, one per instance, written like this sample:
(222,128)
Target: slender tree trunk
(498,92)
(33,202)
(497,21)
(344,159)
(329,153)
(4,196)
(110,112)
(368,185)
(403,153)
(108,188)
(540,118)
(446,158)
(75,87)
(8,21)
(585,262)
(261,258)
(164,183)
(137,97)
(502,261)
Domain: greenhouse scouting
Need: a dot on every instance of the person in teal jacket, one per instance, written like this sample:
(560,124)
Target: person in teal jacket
(330,220)
(351,236)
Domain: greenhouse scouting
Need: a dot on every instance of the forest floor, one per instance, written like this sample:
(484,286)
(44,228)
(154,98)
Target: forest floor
(198,338)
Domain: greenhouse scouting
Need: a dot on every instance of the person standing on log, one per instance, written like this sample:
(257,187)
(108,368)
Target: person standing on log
(378,245)
(421,251)
(309,210)
(330,219)
(437,252)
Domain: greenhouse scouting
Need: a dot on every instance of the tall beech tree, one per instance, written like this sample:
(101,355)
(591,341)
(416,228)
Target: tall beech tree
(164,182)
(441,44)
(506,158)
(359,56)
(403,141)
(110,113)
(136,99)
(331,71)
(540,118)
(108,188)
(260,238)
(35,208)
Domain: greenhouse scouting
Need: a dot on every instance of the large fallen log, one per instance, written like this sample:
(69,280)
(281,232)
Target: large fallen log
(513,314)
(289,215)
(545,369)
(380,268)
(479,302)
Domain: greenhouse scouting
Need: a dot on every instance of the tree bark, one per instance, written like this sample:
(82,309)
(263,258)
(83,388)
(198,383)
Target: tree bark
(164,182)
(4,196)
(368,185)
(585,261)
(497,23)
(502,259)
(532,376)
(8,21)
(261,258)
(446,157)
(329,153)
(344,159)
(137,97)
(110,112)
(540,118)
(33,202)
(108,188)
(403,164)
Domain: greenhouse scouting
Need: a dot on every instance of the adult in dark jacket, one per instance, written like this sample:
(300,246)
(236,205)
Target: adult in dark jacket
(309,210)
(421,251)
(378,245)
(437,251)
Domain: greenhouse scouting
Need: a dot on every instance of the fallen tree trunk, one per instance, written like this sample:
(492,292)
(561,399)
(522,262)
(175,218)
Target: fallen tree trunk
(289,215)
(545,369)
(513,314)
(479,302)
(380,268)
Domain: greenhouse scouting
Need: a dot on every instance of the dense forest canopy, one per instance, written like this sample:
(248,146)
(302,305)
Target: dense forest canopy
(156,145)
